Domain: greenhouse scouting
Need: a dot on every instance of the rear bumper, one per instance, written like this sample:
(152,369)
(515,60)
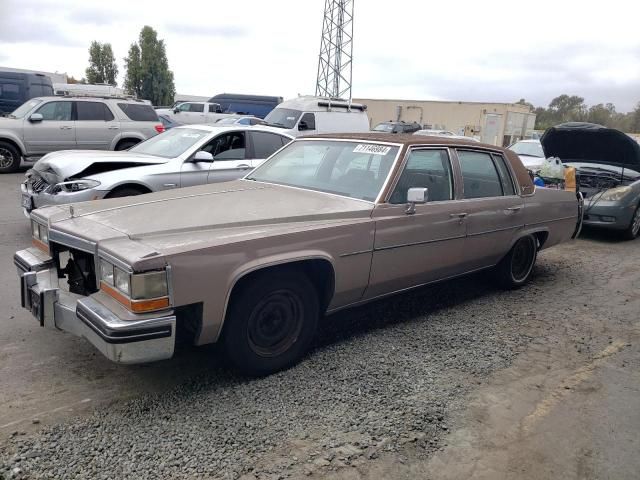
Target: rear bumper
(146,339)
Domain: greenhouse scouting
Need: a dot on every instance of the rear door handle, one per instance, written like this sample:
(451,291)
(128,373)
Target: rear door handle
(457,215)
(244,166)
(114,127)
(65,127)
(513,209)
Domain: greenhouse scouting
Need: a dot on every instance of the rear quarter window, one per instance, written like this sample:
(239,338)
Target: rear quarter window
(139,113)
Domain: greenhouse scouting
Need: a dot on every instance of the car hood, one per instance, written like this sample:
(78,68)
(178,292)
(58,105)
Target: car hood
(206,215)
(77,163)
(591,143)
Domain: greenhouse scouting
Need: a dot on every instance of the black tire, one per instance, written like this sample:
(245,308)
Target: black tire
(124,192)
(514,270)
(271,322)
(633,229)
(9,158)
(125,144)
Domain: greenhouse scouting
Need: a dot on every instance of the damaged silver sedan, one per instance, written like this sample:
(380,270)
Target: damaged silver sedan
(181,157)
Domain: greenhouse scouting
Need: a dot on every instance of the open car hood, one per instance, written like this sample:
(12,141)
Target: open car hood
(591,143)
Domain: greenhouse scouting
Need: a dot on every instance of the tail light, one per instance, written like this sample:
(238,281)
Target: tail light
(159,128)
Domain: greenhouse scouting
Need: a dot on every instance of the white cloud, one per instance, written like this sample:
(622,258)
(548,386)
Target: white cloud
(485,51)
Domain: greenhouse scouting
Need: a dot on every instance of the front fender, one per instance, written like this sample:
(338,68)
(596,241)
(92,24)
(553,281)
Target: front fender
(266,262)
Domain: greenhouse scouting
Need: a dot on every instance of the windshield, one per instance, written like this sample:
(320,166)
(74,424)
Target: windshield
(352,169)
(283,117)
(383,127)
(171,143)
(533,149)
(25,108)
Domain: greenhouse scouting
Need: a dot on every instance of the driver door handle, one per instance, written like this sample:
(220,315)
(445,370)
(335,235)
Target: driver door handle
(244,166)
(65,127)
(513,209)
(457,215)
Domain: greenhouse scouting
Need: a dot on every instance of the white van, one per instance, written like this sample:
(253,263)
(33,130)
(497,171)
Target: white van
(308,115)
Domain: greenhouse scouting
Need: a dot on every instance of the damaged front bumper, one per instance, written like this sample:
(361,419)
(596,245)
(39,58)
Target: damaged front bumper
(122,340)
(52,195)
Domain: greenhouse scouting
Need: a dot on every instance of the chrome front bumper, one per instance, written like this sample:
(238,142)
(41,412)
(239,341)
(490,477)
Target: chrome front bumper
(123,341)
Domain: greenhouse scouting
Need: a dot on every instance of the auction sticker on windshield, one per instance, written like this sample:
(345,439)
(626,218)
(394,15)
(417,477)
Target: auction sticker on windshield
(371,149)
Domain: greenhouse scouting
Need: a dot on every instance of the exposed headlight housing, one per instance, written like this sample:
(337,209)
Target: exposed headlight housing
(139,292)
(74,186)
(615,194)
(40,235)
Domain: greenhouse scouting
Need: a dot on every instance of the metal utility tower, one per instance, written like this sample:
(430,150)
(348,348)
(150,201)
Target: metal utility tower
(336,50)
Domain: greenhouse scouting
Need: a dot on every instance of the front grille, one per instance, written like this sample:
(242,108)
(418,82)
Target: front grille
(37,184)
(77,267)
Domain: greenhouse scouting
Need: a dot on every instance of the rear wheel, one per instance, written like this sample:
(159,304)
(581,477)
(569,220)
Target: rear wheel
(514,270)
(9,158)
(271,322)
(634,226)
(125,144)
(124,192)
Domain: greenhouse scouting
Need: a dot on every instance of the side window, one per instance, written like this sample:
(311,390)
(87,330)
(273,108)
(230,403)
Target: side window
(59,111)
(230,146)
(265,144)
(245,121)
(184,107)
(108,114)
(505,176)
(479,175)
(10,91)
(310,120)
(425,169)
(139,112)
(197,107)
(91,111)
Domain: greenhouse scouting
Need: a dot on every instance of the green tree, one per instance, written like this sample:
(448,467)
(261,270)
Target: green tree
(133,75)
(634,120)
(148,75)
(601,114)
(567,108)
(102,64)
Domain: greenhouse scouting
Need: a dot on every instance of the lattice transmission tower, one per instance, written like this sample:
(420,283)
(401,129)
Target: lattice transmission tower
(335,63)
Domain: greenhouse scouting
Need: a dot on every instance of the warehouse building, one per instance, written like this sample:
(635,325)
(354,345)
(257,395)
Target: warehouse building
(494,123)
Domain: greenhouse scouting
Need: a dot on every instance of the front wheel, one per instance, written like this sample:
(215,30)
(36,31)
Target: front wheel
(271,322)
(634,226)
(514,270)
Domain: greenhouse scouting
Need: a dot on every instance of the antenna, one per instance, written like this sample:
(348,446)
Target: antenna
(335,62)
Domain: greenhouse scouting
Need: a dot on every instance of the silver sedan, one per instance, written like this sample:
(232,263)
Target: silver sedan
(181,157)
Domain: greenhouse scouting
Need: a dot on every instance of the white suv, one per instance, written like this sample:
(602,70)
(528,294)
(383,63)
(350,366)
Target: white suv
(47,124)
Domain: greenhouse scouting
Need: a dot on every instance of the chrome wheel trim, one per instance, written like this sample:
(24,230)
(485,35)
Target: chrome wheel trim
(523,258)
(6,158)
(635,222)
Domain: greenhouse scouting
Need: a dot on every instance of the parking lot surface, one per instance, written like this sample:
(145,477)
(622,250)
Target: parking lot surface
(459,380)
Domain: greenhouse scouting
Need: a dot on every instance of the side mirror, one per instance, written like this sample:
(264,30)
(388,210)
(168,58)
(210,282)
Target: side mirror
(36,117)
(202,156)
(416,196)
(176,110)
(303,125)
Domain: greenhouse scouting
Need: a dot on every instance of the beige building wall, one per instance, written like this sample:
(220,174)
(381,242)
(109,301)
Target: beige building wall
(495,123)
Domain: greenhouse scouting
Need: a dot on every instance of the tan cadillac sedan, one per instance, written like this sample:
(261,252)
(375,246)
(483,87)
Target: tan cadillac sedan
(326,223)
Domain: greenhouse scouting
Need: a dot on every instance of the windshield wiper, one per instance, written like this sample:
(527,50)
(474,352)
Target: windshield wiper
(276,124)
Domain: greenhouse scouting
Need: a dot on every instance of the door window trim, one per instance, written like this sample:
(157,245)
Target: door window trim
(491,154)
(400,169)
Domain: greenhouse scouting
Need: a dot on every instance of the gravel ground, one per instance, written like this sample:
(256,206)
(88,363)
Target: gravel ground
(381,380)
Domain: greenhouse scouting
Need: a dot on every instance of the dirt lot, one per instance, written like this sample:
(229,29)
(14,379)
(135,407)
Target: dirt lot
(455,381)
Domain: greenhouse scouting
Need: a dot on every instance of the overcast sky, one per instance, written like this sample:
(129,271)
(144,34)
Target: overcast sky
(412,49)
